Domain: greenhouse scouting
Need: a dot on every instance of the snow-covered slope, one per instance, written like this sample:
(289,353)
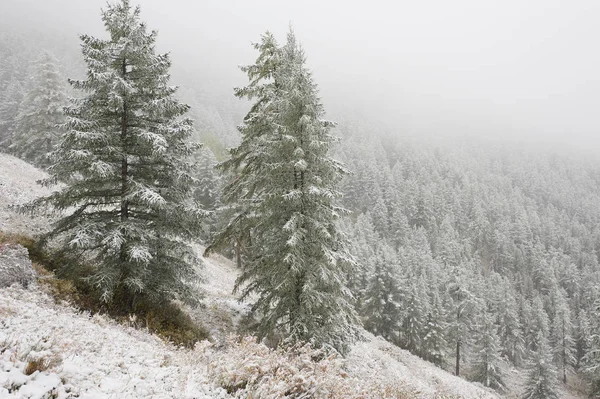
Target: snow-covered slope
(90,357)
(18,186)
(93,357)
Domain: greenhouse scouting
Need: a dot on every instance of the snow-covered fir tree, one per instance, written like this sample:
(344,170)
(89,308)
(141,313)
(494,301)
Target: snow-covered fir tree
(460,315)
(434,341)
(486,368)
(10,105)
(448,249)
(539,324)
(382,308)
(297,271)
(125,171)
(37,130)
(381,218)
(414,316)
(561,336)
(583,337)
(207,191)
(365,241)
(244,167)
(510,333)
(591,360)
(542,382)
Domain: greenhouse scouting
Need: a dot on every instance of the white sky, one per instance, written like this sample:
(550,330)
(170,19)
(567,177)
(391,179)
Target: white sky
(524,69)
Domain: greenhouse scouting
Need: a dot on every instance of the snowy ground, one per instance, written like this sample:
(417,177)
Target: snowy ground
(93,357)
(221,312)
(89,357)
(18,186)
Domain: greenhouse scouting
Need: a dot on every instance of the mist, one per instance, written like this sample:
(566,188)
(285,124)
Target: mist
(521,71)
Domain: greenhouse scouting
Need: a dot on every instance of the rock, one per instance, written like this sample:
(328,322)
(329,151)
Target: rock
(15,266)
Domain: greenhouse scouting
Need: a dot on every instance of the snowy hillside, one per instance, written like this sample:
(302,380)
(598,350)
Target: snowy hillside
(18,186)
(93,357)
(90,357)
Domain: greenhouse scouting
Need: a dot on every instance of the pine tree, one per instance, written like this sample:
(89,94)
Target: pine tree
(242,196)
(487,357)
(539,324)
(583,336)
(124,165)
(591,359)
(10,103)
(382,309)
(417,255)
(511,337)
(561,336)
(542,382)
(433,344)
(399,228)
(364,247)
(414,318)
(460,314)
(381,219)
(526,320)
(447,249)
(297,271)
(207,190)
(41,112)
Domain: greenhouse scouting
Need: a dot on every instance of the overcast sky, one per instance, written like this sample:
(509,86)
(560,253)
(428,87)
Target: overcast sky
(525,69)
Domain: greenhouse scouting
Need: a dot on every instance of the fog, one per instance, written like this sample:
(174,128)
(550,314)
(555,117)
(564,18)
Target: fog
(524,70)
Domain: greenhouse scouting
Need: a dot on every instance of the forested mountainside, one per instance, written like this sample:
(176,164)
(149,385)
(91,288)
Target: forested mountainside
(477,257)
(487,239)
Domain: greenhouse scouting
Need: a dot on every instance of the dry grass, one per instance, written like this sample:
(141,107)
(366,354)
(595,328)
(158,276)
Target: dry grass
(37,365)
(246,368)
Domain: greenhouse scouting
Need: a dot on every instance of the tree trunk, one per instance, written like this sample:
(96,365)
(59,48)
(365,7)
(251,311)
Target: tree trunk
(457,371)
(564,353)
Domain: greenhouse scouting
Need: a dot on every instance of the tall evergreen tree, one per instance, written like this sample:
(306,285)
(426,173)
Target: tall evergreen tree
(447,248)
(299,265)
(542,382)
(561,336)
(41,112)
(511,337)
(124,165)
(382,309)
(434,342)
(364,247)
(242,196)
(583,337)
(10,105)
(539,324)
(487,357)
(207,191)
(460,314)
(414,317)
(592,358)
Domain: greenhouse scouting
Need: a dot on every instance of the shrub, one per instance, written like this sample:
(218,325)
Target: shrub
(166,319)
(246,368)
(37,365)
(15,266)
